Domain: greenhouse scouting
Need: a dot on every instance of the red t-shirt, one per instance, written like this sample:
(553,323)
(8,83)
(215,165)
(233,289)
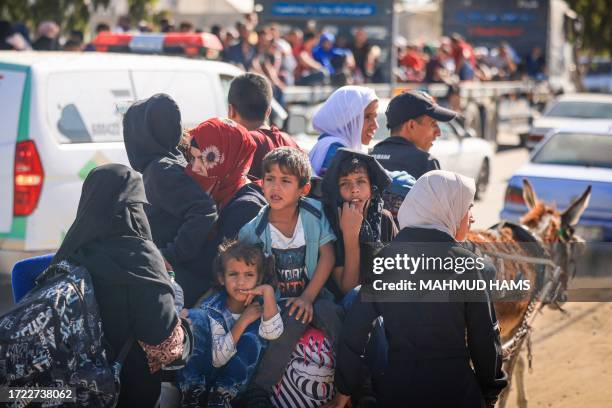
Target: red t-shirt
(467,51)
(413,61)
(266,141)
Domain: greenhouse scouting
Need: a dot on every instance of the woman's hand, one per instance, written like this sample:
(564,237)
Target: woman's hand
(167,265)
(339,401)
(185,315)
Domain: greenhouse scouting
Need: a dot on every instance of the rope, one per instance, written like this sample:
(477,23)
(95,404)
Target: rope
(524,329)
(521,258)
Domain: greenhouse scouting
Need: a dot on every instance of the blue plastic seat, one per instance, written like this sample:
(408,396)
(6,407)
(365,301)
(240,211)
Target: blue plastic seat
(25,272)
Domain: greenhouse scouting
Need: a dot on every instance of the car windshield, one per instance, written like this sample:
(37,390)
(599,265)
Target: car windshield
(582,110)
(576,149)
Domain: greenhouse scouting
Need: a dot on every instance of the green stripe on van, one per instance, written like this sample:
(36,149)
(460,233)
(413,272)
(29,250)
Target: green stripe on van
(14,67)
(23,131)
(18,227)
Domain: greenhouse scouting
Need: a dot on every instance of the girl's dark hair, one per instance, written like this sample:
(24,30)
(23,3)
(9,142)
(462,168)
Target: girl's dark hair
(248,253)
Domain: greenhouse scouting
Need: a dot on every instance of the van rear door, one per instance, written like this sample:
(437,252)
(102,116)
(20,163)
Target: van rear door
(12,83)
(76,125)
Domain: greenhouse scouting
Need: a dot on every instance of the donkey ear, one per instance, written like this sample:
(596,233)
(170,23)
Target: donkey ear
(572,214)
(529,195)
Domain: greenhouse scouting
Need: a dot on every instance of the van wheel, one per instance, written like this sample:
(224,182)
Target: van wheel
(482,182)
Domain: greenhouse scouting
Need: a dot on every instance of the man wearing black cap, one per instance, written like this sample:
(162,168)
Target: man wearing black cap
(412,119)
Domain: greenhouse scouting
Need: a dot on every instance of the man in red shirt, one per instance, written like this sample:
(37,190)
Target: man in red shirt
(462,48)
(249,98)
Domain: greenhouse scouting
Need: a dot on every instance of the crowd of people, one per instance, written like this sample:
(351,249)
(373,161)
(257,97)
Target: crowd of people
(267,245)
(454,59)
(290,56)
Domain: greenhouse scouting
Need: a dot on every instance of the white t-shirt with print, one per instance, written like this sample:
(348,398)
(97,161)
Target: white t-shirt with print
(290,260)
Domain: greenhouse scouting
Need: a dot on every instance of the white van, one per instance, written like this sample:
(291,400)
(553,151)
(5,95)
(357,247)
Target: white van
(61,116)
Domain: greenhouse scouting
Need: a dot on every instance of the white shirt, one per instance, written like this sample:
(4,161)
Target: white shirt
(290,260)
(280,241)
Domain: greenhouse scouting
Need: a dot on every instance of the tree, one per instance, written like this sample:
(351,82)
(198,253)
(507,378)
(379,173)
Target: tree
(69,14)
(596,28)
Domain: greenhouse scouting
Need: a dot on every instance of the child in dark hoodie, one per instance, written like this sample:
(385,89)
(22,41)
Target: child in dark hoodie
(181,214)
(352,189)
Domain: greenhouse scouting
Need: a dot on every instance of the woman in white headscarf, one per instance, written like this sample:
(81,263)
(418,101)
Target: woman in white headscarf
(439,200)
(346,119)
(442,353)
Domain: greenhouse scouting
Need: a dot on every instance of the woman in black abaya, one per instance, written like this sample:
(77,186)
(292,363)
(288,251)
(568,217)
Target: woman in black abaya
(111,237)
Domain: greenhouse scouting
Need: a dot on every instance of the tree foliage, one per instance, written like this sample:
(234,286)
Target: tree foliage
(597,27)
(69,14)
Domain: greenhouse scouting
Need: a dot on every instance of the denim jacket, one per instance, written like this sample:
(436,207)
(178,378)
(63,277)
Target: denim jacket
(217,310)
(317,232)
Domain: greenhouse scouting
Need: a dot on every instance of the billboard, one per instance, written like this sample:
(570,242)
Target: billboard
(522,23)
(340,17)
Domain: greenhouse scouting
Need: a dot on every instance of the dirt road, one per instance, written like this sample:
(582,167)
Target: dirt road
(572,358)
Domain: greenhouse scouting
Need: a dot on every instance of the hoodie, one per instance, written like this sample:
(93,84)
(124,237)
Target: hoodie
(181,214)
(378,225)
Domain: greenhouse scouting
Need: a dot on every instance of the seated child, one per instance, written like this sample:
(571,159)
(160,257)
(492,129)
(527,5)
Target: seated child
(230,328)
(295,230)
(352,189)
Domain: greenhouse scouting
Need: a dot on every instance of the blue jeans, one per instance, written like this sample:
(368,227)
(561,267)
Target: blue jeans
(377,347)
(200,377)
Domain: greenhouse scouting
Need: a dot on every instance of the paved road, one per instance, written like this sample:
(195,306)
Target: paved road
(505,163)
(486,212)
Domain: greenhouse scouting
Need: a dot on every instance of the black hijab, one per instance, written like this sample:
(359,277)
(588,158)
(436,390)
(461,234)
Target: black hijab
(110,235)
(379,180)
(151,131)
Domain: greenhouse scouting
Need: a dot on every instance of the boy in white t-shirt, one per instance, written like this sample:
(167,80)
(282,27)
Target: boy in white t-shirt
(295,230)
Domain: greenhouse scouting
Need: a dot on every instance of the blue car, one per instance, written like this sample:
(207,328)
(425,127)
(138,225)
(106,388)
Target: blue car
(560,169)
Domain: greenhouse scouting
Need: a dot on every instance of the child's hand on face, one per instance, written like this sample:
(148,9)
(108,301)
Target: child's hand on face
(251,313)
(303,308)
(261,290)
(351,217)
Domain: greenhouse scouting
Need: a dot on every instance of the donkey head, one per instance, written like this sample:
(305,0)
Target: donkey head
(563,222)
(557,229)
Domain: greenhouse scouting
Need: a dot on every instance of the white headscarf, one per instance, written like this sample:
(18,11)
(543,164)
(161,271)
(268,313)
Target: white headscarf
(438,200)
(341,119)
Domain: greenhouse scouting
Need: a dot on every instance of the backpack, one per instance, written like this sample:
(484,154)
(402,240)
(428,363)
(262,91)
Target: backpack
(53,338)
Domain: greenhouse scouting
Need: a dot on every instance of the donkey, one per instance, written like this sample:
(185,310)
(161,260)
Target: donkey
(552,233)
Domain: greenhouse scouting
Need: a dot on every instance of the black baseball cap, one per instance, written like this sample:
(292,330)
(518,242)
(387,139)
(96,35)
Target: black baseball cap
(412,104)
